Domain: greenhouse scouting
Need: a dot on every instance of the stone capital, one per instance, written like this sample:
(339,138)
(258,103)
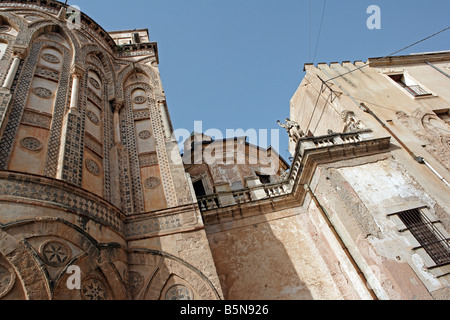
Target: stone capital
(19,51)
(77,71)
(117,104)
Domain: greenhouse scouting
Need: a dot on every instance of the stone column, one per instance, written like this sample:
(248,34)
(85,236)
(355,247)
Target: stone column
(11,73)
(116,120)
(67,171)
(75,90)
(165,119)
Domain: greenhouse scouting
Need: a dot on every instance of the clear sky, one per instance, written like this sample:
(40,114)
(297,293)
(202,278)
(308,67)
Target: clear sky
(236,63)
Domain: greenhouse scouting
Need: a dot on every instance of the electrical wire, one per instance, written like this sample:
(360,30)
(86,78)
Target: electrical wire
(320,30)
(310,31)
(407,47)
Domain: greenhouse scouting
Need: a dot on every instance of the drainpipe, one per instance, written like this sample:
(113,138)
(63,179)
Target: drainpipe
(438,69)
(341,242)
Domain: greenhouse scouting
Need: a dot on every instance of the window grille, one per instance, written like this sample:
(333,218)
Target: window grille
(409,85)
(426,233)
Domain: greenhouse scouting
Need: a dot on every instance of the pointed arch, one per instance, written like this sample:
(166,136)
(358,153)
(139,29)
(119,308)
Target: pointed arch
(85,252)
(106,65)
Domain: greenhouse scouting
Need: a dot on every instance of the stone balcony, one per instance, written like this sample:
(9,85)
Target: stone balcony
(310,152)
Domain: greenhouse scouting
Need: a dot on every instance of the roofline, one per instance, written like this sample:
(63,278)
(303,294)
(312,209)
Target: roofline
(401,59)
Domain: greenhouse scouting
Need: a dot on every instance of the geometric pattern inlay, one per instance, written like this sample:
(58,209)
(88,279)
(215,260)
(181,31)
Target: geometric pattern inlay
(94,83)
(152,183)
(31,144)
(92,167)
(145,135)
(51,58)
(40,190)
(7,279)
(93,117)
(54,144)
(140,100)
(43,93)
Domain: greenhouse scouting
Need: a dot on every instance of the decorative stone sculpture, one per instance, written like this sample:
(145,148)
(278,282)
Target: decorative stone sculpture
(292,128)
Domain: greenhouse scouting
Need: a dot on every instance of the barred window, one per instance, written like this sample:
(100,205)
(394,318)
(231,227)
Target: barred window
(426,233)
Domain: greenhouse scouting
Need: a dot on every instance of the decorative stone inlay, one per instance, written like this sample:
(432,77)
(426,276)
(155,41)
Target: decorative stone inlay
(140,99)
(51,58)
(145,135)
(7,279)
(5,29)
(179,292)
(148,160)
(32,17)
(31,144)
(92,167)
(55,253)
(54,37)
(43,93)
(152,183)
(93,289)
(94,83)
(93,117)
(135,282)
(31,117)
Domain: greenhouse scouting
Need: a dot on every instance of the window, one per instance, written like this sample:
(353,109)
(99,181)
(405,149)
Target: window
(444,115)
(199,189)
(136,38)
(426,233)
(409,85)
(264,179)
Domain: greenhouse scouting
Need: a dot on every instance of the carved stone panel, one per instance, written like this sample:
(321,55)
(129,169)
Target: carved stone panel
(93,289)
(31,144)
(152,183)
(179,292)
(55,253)
(7,279)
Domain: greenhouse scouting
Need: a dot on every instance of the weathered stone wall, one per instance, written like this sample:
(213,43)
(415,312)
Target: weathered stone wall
(359,196)
(282,255)
(88,176)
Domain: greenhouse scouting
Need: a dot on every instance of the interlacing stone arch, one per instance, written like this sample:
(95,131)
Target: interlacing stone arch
(48,247)
(109,74)
(168,266)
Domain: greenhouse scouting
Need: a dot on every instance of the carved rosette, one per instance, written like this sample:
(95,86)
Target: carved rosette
(43,93)
(92,167)
(7,279)
(179,292)
(51,58)
(31,144)
(93,117)
(93,289)
(145,135)
(94,83)
(55,253)
(135,282)
(152,183)
(140,99)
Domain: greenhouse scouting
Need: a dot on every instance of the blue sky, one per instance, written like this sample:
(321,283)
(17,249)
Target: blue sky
(236,63)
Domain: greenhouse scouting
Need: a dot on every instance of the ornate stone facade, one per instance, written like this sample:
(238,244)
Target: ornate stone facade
(85,177)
